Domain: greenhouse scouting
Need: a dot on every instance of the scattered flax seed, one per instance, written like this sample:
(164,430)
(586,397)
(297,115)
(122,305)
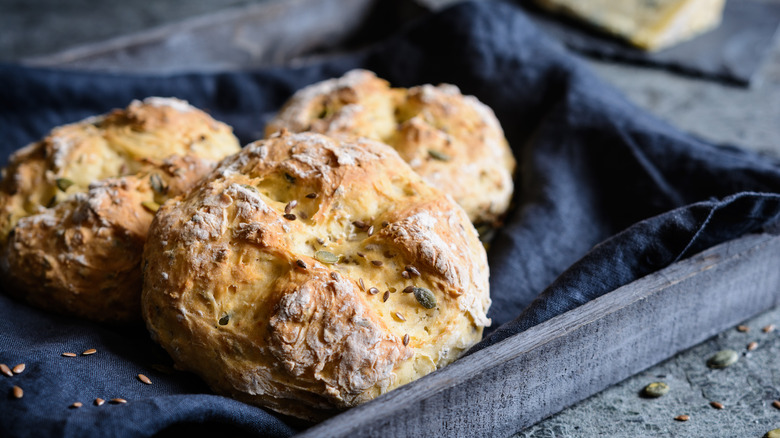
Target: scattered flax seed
(99,401)
(224,320)
(399,317)
(301,264)
(311,195)
(769,328)
(321,241)
(76,405)
(362,285)
(360,254)
(716,405)
(69,354)
(19,369)
(144,379)
(377,262)
(373,291)
(405,275)
(5,370)
(303,215)
(290,205)
(386,296)
(682,418)
(408,289)
(88,352)
(117,401)
(413,271)
(17,392)
(289,216)
(743,328)
(406,339)
(335,276)
(776,404)
(360,224)
(370,230)
(385,223)
(752,346)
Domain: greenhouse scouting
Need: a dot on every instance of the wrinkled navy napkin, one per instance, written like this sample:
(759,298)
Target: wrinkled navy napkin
(605,194)
(732,52)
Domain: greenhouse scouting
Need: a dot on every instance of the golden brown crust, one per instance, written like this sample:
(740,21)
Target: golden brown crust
(453,141)
(307,314)
(76,206)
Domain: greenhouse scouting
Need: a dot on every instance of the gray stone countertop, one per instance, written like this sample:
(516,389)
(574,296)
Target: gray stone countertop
(749,117)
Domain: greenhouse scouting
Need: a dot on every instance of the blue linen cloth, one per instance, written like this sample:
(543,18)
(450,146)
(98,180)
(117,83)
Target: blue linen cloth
(605,194)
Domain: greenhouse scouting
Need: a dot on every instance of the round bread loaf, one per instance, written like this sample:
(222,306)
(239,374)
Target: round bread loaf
(76,206)
(308,275)
(453,141)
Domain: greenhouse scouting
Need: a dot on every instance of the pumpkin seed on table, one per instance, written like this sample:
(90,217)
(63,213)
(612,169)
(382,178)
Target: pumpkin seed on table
(682,417)
(656,389)
(19,368)
(716,405)
(723,359)
(5,370)
(17,392)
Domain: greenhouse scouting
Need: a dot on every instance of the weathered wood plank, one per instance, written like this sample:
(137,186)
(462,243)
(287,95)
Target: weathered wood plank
(502,389)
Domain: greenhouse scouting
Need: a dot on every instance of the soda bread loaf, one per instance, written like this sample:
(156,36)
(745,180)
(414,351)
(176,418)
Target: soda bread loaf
(308,274)
(453,141)
(76,206)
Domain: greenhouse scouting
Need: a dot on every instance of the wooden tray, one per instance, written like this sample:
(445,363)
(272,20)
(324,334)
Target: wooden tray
(521,380)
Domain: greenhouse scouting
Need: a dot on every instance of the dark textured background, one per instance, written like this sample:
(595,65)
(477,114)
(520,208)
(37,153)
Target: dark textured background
(747,117)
